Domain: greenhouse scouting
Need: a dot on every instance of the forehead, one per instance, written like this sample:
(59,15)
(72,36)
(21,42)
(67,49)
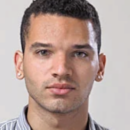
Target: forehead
(54,28)
(49,19)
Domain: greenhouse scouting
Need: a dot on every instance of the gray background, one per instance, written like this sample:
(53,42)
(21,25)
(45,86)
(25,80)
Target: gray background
(109,100)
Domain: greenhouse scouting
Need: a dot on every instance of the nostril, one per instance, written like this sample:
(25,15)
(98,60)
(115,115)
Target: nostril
(55,75)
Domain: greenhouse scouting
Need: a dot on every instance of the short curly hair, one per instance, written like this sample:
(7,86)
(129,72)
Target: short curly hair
(80,9)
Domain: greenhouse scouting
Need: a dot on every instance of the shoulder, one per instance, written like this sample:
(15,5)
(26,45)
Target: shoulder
(8,125)
(99,127)
(94,125)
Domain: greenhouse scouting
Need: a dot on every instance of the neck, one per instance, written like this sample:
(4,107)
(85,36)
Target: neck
(39,118)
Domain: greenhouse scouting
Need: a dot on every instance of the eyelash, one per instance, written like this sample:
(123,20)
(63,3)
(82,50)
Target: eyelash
(77,54)
(80,54)
(43,52)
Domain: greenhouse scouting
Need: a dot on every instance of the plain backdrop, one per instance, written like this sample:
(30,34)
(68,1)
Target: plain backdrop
(110,99)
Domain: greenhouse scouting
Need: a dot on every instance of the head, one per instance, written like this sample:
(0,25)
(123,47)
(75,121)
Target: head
(60,58)
(80,9)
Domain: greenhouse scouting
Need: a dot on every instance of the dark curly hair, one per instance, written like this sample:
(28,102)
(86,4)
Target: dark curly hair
(80,9)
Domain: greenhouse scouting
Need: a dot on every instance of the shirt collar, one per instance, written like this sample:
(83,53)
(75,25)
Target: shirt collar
(22,121)
(23,124)
(91,123)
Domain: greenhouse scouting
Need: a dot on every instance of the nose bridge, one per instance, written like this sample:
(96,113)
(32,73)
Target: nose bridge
(61,65)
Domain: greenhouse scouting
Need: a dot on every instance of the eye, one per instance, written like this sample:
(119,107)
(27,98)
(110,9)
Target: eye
(80,54)
(43,52)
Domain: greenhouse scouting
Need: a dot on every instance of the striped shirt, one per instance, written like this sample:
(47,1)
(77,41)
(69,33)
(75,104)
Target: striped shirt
(20,123)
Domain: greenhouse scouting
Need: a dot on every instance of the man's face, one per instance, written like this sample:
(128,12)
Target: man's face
(60,62)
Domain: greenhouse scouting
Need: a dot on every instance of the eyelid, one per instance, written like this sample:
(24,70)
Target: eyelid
(82,52)
(46,51)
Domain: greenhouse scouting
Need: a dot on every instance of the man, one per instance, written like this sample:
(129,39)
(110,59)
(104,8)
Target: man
(60,60)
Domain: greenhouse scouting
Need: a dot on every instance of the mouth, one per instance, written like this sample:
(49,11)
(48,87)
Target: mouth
(60,89)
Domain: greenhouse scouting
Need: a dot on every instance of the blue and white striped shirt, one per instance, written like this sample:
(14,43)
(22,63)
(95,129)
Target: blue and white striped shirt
(20,123)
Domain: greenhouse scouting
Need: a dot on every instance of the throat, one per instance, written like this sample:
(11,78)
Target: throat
(39,118)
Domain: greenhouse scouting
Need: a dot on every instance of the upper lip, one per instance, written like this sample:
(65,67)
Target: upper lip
(61,86)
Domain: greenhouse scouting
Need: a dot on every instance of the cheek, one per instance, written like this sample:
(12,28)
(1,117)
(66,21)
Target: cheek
(86,70)
(86,74)
(36,70)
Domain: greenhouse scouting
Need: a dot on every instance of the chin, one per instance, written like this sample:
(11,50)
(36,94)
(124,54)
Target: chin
(61,107)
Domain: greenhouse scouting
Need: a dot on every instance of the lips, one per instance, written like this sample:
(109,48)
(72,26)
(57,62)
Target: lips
(60,89)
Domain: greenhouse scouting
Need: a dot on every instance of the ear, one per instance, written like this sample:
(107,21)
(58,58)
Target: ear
(18,60)
(102,63)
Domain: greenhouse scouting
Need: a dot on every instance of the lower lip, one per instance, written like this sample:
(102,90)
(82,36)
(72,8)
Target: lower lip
(58,91)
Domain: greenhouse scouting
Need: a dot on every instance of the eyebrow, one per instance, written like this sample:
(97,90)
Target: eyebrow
(76,46)
(85,46)
(38,44)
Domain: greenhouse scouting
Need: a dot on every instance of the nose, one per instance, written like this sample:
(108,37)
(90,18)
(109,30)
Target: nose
(61,67)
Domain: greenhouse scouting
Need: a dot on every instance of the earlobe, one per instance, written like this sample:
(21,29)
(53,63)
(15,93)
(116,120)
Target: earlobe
(99,77)
(18,60)
(102,63)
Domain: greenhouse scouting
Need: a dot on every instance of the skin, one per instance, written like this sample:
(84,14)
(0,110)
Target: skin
(59,50)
